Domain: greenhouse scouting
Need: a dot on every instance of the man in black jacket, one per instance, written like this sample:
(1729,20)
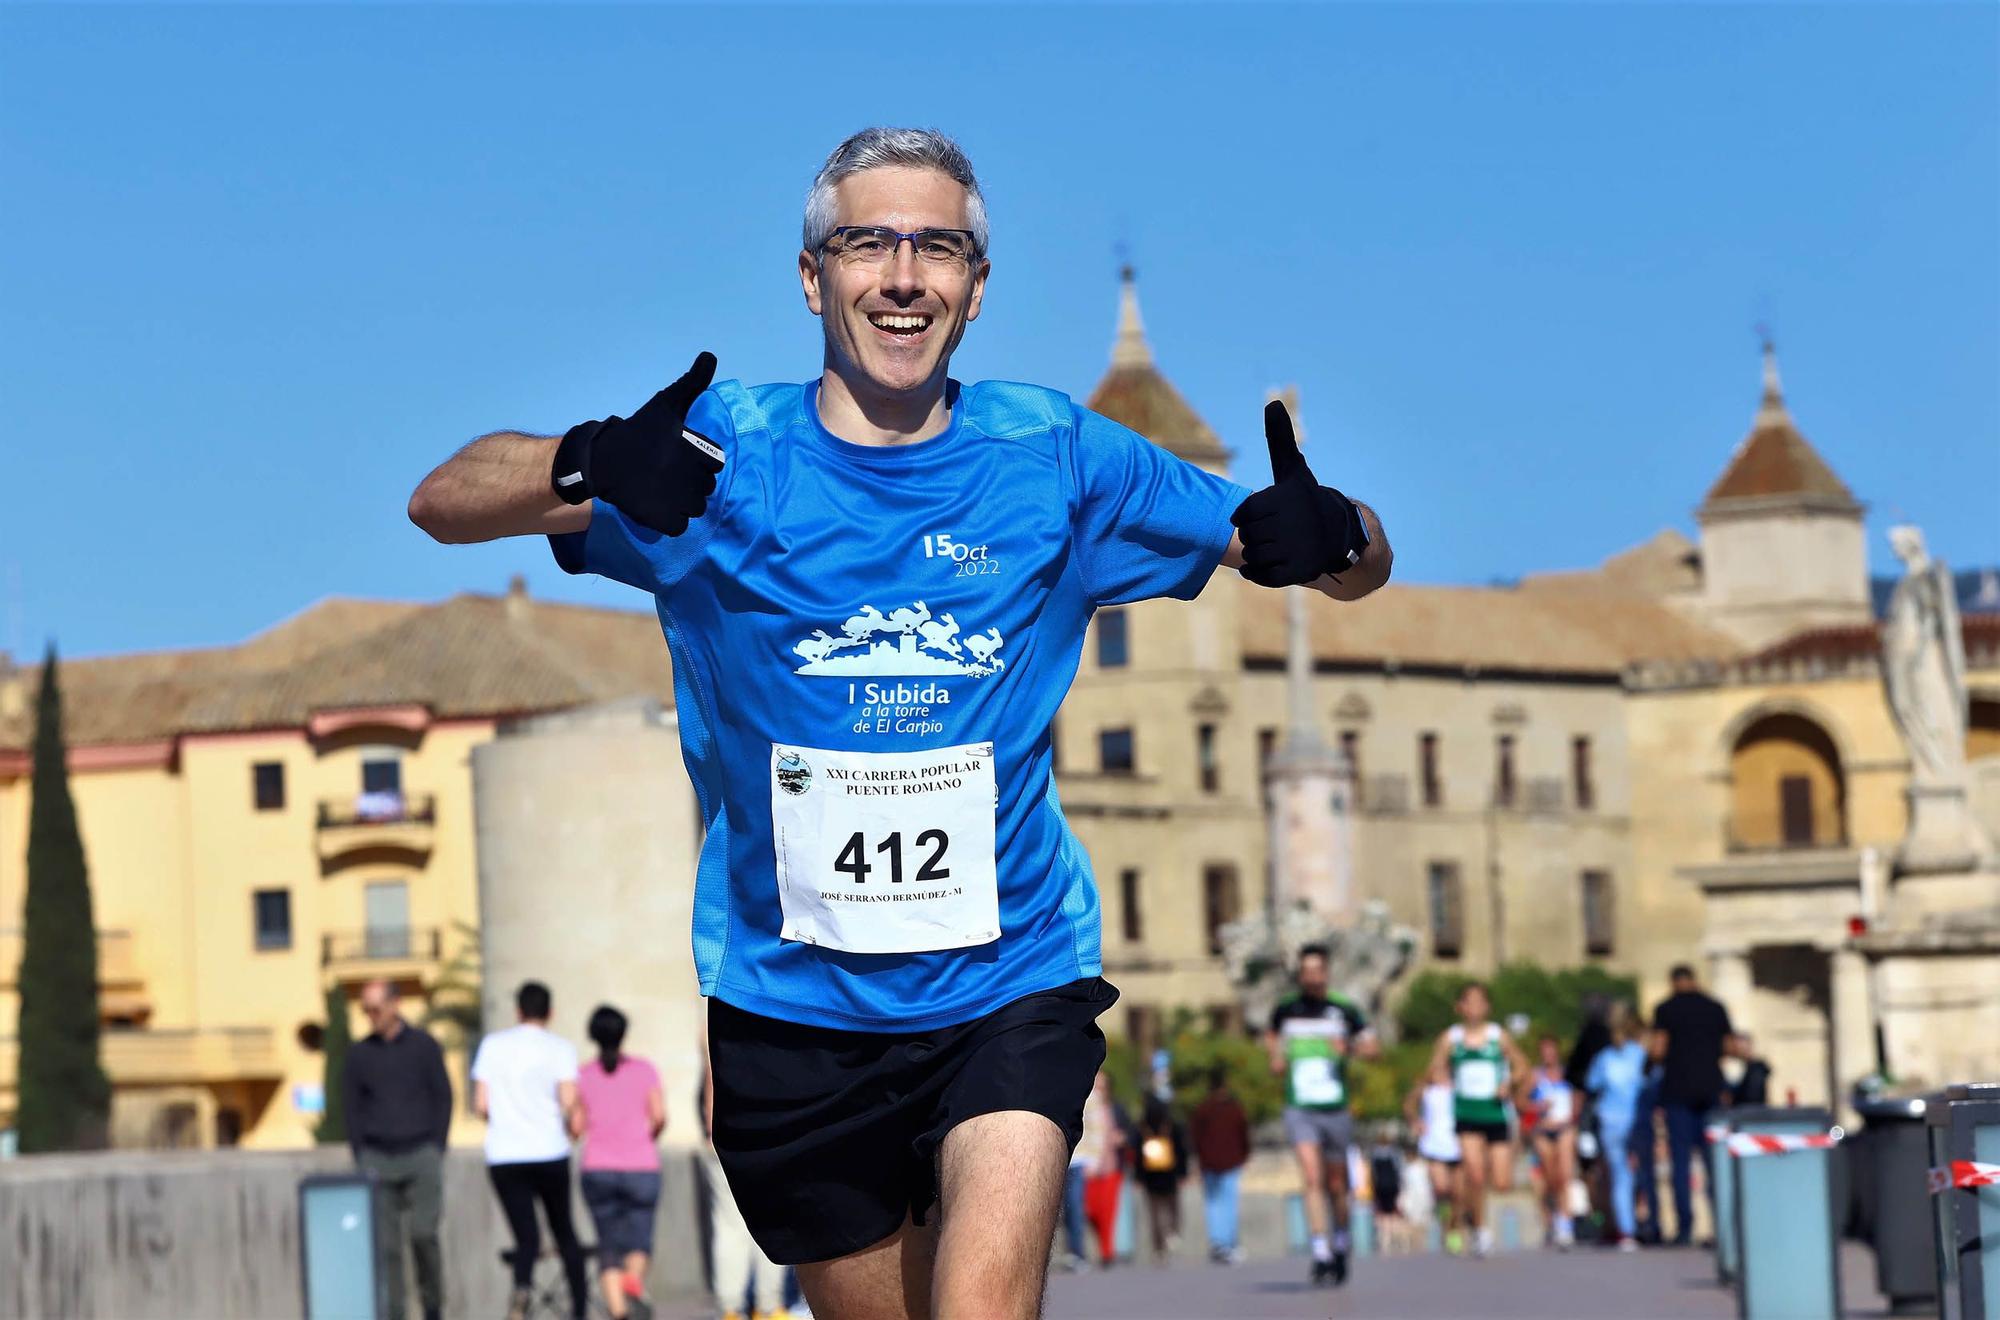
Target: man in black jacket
(398,1105)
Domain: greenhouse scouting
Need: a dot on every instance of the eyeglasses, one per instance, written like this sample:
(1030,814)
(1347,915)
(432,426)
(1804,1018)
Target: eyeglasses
(871,245)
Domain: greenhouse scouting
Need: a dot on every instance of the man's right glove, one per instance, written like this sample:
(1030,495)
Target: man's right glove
(650,465)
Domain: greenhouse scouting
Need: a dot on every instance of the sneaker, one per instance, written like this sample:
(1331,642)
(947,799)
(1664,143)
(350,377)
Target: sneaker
(1322,1272)
(637,1307)
(1339,1268)
(1628,1244)
(1565,1237)
(517,1304)
(1482,1243)
(1454,1243)
(1233,1256)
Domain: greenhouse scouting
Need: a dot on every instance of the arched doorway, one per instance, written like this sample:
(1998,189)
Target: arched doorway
(1786,786)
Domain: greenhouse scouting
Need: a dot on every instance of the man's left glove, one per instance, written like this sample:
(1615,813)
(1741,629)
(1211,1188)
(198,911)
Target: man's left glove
(1295,530)
(649,465)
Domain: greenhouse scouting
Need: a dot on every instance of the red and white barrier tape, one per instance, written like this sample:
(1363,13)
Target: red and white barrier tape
(1762,1143)
(1964,1173)
(1716,1135)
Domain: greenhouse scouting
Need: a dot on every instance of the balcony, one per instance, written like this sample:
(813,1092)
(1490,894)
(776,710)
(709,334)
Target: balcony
(405,822)
(384,953)
(121,990)
(144,1057)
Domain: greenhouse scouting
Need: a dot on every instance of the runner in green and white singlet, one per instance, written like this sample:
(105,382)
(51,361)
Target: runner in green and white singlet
(1311,1038)
(1485,1066)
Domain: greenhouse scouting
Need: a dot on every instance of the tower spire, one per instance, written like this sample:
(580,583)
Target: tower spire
(1130,349)
(1771,408)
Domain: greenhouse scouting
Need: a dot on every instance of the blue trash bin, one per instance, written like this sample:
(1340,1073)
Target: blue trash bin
(1787,1223)
(337,1255)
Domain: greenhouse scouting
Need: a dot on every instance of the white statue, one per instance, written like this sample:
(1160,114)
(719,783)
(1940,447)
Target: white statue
(1923,664)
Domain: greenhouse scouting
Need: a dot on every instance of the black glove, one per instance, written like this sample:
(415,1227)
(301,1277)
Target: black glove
(1295,529)
(650,465)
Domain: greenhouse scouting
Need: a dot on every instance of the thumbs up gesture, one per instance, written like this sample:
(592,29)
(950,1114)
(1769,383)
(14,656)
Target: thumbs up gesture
(1295,530)
(650,465)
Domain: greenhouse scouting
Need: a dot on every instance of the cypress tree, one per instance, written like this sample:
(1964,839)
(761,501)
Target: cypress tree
(65,1098)
(332,1128)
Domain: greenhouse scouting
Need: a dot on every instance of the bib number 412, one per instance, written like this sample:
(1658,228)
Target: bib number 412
(853,859)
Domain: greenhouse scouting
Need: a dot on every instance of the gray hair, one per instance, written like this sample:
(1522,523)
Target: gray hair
(874,148)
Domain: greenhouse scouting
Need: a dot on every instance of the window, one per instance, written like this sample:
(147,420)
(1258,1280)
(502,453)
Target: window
(1133,921)
(1795,809)
(1350,756)
(1598,936)
(1427,769)
(1220,899)
(1114,751)
(1579,769)
(1447,910)
(1211,774)
(1111,630)
(382,774)
(386,909)
(271,910)
(1503,771)
(267,785)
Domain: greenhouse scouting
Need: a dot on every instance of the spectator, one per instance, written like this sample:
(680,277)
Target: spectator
(524,1086)
(1220,1132)
(620,1114)
(1163,1165)
(737,1265)
(1103,1145)
(1430,1108)
(1752,1083)
(1615,1082)
(398,1104)
(1688,1031)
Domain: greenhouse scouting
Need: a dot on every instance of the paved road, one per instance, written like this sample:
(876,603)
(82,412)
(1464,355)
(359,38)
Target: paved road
(1529,1285)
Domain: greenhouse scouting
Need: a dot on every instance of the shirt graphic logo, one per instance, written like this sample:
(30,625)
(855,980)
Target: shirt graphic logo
(794,775)
(917,643)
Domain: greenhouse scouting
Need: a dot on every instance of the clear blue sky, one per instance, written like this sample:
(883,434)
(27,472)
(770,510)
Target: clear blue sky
(260,268)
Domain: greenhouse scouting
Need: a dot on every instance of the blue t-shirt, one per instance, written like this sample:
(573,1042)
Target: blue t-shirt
(1617,1076)
(841,606)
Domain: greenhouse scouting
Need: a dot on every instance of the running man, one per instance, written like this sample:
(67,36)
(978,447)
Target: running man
(874,588)
(1311,1037)
(1484,1063)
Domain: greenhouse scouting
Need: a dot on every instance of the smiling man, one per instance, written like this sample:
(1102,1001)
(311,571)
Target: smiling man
(874,587)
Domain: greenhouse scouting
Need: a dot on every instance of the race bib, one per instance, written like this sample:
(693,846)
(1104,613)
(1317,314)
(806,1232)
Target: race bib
(886,852)
(1315,1081)
(1559,1107)
(1478,1079)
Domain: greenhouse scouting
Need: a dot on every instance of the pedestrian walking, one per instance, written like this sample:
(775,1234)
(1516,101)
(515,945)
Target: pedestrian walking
(1219,1129)
(1163,1167)
(1485,1066)
(1431,1110)
(524,1086)
(619,1115)
(882,579)
(397,1099)
(1312,1036)
(739,1271)
(1689,1029)
(1616,1079)
(1552,1113)
(1103,1143)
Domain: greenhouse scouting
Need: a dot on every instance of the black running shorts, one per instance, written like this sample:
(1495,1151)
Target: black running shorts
(829,1138)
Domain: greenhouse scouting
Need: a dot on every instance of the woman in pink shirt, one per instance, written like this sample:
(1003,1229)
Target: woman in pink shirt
(620,1114)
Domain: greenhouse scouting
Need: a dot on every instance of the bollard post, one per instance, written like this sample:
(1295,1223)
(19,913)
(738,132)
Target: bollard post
(1963,1123)
(338,1223)
(1361,1228)
(1297,1237)
(1787,1233)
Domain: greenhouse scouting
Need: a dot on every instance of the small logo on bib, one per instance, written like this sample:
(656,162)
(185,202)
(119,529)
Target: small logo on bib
(794,775)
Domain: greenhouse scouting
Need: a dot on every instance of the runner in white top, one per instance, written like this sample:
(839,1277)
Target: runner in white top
(1429,1110)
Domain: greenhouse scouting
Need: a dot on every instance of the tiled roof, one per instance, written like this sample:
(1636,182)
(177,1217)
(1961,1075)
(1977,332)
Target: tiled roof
(468,656)
(1853,641)
(1775,459)
(1143,399)
(1512,628)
